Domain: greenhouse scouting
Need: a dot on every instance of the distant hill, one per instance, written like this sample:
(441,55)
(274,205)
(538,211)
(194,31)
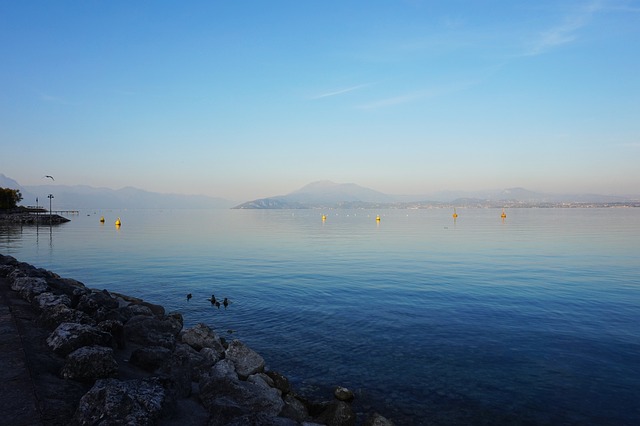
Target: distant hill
(320,194)
(86,197)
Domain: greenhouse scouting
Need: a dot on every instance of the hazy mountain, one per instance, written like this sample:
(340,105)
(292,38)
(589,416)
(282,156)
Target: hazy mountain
(86,197)
(320,194)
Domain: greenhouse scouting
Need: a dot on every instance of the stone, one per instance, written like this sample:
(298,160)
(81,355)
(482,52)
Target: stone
(49,300)
(279,382)
(114,402)
(338,413)
(89,363)
(343,394)
(201,336)
(150,358)
(29,287)
(294,409)
(68,337)
(55,315)
(147,330)
(222,390)
(245,359)
(377,420)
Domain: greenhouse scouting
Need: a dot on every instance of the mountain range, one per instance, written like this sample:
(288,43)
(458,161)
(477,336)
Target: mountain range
(79,197)
(321,194)
(327,194)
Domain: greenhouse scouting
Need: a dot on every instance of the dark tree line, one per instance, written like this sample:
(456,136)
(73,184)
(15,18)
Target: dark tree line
(9,198)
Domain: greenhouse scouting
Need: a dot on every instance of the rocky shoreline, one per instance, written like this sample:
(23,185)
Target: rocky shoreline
(31,218)
(101,358)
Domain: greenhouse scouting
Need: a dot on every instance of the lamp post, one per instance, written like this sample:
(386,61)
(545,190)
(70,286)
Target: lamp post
(50,197)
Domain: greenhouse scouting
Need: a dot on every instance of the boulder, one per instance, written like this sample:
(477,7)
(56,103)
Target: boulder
(55,315)
(114,402)
(49,300)
(338,413)
(147,330)
(201,336)
(245,360)
(89,363)
(68,337)
(279,382)
(29,287)
(150,358)
(377,420)
(222,391)
(294,409)
(343,394)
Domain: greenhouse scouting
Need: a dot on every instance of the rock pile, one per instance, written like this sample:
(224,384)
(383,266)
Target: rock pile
(137,364)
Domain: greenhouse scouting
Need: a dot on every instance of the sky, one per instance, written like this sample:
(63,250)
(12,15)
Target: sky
(250,99)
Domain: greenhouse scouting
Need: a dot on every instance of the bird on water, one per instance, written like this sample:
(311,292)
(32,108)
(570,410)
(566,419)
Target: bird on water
(212,299)
(189,296)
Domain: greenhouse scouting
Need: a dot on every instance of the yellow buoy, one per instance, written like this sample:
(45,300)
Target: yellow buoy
(118,223)
(378,218)
(503,215)
(324,217)
(102,219)
(455,215)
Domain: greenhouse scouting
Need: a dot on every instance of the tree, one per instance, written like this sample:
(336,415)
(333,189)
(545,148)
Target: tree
(9,198)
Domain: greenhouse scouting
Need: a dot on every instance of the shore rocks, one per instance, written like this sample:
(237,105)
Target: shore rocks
(141,367)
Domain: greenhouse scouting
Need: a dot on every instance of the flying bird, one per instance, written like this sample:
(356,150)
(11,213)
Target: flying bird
(47,176)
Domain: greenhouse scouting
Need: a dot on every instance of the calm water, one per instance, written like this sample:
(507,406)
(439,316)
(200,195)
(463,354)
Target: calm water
(530,320)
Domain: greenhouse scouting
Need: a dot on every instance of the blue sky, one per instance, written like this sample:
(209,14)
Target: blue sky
(251,99)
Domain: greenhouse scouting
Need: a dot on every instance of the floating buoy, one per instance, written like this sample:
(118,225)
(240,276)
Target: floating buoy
(455,215)
(324,217)
(118,223)
(378,218)
(102,219)
(503,215)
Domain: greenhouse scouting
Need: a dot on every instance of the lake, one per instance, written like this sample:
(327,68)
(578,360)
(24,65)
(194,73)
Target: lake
(534,319)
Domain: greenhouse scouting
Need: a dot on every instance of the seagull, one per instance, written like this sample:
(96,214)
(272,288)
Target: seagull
(47,176)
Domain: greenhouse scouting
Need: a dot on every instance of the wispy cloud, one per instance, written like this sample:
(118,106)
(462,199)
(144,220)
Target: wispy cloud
(340,91)
(566,32)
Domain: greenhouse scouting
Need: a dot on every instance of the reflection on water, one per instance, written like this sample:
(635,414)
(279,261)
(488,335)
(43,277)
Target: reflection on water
(531,319)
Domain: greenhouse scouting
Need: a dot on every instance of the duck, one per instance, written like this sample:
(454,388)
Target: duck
(212,299)
(225,302)
(189,296)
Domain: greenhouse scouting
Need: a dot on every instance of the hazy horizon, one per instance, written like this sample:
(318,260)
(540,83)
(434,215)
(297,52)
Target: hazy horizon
(246,101)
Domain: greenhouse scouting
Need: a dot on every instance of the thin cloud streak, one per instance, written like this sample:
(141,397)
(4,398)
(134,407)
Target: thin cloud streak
(340,92)
(566,32)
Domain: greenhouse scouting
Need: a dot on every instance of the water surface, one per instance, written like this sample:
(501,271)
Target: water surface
(529,320)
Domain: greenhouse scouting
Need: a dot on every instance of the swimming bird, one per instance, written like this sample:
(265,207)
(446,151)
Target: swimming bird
(225,302)
(212,299)
(189,296)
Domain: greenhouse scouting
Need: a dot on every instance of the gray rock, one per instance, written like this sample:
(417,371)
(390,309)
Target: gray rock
(49,300)
(246,360)
(343,394)
(68,337)
(338,413)
(90,363)
(221,391)
(150,358)
(280,382)
(114,402)
(377,420)
(55,315)
(29,287)
(201,336)
(155,331)
(294,409)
